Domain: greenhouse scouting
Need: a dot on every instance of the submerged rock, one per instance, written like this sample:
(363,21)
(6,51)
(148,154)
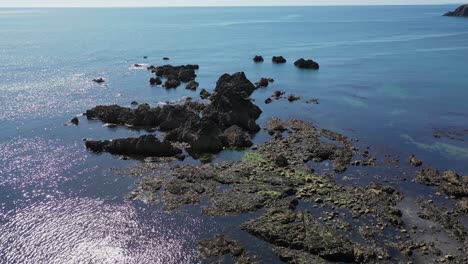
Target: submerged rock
(278,59)
(307,64)
(258,58)
(414,161)
(461,11)
(148,146)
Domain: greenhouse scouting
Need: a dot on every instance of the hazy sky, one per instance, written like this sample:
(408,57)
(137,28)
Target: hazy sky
(113,3)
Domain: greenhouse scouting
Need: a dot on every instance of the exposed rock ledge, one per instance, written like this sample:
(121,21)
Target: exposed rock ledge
(461,11)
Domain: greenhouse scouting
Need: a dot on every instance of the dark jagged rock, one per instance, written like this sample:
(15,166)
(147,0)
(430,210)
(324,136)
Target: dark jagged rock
(148,146)
(278,59)
(155,81)
(278,94)
(237,138)
(307,64)
(268,101)
(192,85)
(134,103)
(75,121)
(461,11)
(137,65)
(204,94)
(414,161)
(258,58)
(264,82)
(183,73)
(145,57)
(203,135)
(166,58)
(99,80)
(231,104)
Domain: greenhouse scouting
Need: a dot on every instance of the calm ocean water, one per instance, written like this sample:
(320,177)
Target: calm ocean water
(389,76)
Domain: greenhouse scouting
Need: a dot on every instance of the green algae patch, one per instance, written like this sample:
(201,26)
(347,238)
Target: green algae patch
(253,157)
(448,150)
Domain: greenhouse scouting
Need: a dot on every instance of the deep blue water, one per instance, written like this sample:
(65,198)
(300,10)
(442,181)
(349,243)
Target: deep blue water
(389,76)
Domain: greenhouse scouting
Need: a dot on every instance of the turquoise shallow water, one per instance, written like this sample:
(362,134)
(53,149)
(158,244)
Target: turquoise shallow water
(389,76)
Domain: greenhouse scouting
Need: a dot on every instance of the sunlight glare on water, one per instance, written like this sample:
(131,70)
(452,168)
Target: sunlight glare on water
(91,231)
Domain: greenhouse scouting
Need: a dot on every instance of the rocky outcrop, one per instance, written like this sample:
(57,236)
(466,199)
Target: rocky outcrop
(148,146)
(204,94)
(278,59)
(155,81)
(231,104)
(307,64)
(264,82)
(461,11)
(99,80)
(175,74)
(206,128)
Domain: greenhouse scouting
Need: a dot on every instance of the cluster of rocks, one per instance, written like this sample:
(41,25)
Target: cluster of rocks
(175,75)
(461,11)
(300,63)
(277,176)
(225,122)
(220,246)
(449,182)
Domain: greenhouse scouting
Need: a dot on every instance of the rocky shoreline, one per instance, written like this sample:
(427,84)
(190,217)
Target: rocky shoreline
(305,216)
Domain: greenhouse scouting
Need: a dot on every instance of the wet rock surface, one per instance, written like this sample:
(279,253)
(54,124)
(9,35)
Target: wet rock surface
(449,182)
(175,75)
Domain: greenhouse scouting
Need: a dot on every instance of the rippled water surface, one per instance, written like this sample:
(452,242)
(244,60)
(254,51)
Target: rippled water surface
(390,76)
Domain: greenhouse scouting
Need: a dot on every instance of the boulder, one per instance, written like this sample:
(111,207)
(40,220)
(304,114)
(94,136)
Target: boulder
(192,85)
(147,146)
(75,121)
(183,73)
(172,83)
(278,59)
(461,11)
(258,58)
(307,64)
(237,138)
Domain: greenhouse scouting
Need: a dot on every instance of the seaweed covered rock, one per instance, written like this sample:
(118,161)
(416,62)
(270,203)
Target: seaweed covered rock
(148,146)
(231,104)
(221,245)
(461,11)
(301,231)
(307,64)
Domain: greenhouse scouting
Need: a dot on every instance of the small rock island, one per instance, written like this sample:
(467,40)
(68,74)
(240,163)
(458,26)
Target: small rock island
(461,11)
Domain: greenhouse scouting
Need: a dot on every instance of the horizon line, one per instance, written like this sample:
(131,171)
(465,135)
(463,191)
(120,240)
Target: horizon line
(191,6)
